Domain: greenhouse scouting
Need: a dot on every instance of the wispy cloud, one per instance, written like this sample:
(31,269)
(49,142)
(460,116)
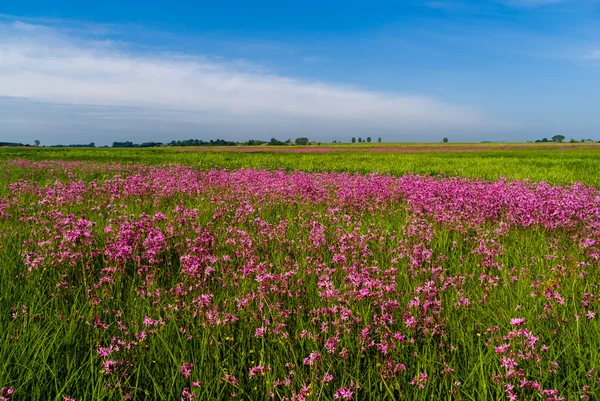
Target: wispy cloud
(532,3)
(579,53)
(43,63)
(486,7)
(454,6)
(592,55)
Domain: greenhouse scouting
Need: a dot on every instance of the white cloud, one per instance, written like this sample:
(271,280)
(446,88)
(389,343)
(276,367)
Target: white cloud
(42,63)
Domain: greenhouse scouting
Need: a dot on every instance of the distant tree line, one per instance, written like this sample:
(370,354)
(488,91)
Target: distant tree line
(301,141)
(129,144)
(555,138)
(11,144)
(360,140)
(277,142)
(75,145)
(200,142)
(583,140)
(212,142)
(561,138)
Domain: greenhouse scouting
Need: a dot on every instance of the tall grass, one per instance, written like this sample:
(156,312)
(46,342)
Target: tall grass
(114,278)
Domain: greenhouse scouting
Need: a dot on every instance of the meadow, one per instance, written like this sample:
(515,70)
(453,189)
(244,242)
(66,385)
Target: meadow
(556,163)
(396,272)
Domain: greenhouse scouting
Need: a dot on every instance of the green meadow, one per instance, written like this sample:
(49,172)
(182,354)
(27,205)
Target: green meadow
(553,163)
(133,276)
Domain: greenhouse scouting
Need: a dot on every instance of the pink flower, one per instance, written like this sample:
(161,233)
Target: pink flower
(328,377)
(312,359)
(517,321)
(420,380)
(502,348)
(331,344)
(260,332)
(5,393)
(230,379)
(104,352)
(186,369)
(186,394)
(343,393)
(259,370)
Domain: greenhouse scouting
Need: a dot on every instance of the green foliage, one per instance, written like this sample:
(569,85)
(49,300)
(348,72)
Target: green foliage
(83,145)
(277,142)
(195,142)
(12,144)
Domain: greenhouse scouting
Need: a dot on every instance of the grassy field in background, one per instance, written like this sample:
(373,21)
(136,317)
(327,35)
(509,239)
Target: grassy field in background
(554,163)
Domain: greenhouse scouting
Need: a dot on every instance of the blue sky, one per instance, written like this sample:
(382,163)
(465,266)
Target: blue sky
(506,70)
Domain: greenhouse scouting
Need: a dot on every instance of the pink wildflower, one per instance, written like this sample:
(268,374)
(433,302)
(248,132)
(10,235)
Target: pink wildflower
(343,393)
(186,369)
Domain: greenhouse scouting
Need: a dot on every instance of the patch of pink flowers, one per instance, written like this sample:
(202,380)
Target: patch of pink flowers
(286,284)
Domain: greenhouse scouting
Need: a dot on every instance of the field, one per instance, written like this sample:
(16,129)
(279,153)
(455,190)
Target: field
(381,272)
(554,163)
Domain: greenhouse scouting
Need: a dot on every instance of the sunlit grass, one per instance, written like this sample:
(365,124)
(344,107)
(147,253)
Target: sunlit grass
(49,349)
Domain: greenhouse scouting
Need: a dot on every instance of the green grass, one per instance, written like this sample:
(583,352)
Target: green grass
(51,351)
(554,163)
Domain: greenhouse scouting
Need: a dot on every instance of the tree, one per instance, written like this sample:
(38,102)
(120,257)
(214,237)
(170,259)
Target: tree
(126,144)
(378,140)
(353,140)
(558,138)
(37,143)
(368,139)
(301,141)
(445,140)
(359,139)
